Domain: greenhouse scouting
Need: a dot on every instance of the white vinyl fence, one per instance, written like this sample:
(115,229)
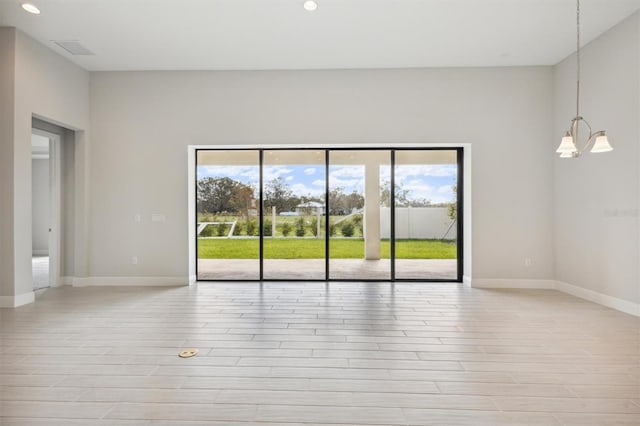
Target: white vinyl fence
(418,222)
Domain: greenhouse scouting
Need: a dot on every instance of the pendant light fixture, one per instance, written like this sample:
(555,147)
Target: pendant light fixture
(598,141)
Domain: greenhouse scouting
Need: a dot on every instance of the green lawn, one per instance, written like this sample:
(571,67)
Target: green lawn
(313,248)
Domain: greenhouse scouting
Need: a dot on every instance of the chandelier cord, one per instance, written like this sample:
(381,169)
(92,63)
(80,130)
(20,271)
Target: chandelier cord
(570,146)
(578,58)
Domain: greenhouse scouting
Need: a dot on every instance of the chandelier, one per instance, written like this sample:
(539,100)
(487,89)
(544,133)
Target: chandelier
(570,146)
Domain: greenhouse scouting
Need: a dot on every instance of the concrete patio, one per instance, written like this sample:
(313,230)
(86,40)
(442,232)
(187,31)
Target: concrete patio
(308,269)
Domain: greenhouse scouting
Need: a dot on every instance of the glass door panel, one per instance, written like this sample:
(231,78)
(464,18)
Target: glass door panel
(293,220)
(426,187)
(359,221)
(228,243)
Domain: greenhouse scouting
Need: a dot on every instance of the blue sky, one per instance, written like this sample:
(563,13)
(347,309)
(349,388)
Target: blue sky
(431,182)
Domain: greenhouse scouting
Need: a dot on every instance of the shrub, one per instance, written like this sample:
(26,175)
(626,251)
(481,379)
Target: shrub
(347,229)
(357,219)
(314,226)
(221,229)
(286,229)
(266,228)
(238,229)
(252,227)
(300,227)
(332,229)
(206,232)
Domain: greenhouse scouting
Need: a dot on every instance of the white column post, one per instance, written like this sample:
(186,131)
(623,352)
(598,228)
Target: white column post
(273,221)
(371,215)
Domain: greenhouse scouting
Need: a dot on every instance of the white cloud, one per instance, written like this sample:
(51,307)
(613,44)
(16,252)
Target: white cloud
(349,185)
(242,173)
(273,172)
(445,189)
(302,189)
(346,171)
(309,171)
(289,178)
(318,182)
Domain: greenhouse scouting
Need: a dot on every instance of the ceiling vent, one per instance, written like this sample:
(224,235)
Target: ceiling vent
(74,47)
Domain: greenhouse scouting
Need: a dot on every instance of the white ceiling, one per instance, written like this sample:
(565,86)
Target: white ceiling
(280,34)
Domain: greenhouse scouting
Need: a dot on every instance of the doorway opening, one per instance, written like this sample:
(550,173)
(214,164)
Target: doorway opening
(45,217)
(318,214)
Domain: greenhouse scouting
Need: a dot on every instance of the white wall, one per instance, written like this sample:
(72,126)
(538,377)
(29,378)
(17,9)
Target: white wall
(596,197)
(7,98)
(142,123)
(41,208)
(50,87)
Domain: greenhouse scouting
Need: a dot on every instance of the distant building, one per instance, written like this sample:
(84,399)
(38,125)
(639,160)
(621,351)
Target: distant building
(310,208)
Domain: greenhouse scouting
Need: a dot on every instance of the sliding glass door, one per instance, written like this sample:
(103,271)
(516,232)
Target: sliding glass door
(349,214)
(228,241)
(357,250)
(426,214)
(293,224)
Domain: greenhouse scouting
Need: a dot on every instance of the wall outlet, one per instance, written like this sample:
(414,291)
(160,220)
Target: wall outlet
(527,262)
(134,260)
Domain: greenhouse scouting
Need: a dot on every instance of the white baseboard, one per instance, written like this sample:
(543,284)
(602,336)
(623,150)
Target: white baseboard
(466,280)
(43,252)
(193,279)
(19,300)
(514,283)
(126,281)
(590,295)
(599,298)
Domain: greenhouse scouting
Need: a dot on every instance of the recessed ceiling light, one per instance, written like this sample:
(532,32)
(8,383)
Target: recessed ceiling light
(310,5)
(31,8)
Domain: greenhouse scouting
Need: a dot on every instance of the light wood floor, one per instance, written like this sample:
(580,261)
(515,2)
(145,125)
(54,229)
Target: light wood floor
(316,353)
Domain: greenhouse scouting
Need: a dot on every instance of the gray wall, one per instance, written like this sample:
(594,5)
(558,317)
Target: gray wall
(142,122)
(576,220)
(41,206)
(34,81)
(596,197)
(7,97)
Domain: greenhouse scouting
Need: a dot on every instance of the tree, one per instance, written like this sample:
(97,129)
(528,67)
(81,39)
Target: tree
(342,204)
(420,202)
(278,194)
(401,195)
(241,199)
(355,200)
(452,208)
(223,195)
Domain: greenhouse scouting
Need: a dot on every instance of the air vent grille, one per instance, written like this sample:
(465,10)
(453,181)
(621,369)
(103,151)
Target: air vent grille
(74,47)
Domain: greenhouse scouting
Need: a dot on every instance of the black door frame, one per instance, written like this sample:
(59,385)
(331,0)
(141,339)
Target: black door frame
(392,239)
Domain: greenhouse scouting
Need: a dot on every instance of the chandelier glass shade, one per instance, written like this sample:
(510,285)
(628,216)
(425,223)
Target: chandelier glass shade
(570,145)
